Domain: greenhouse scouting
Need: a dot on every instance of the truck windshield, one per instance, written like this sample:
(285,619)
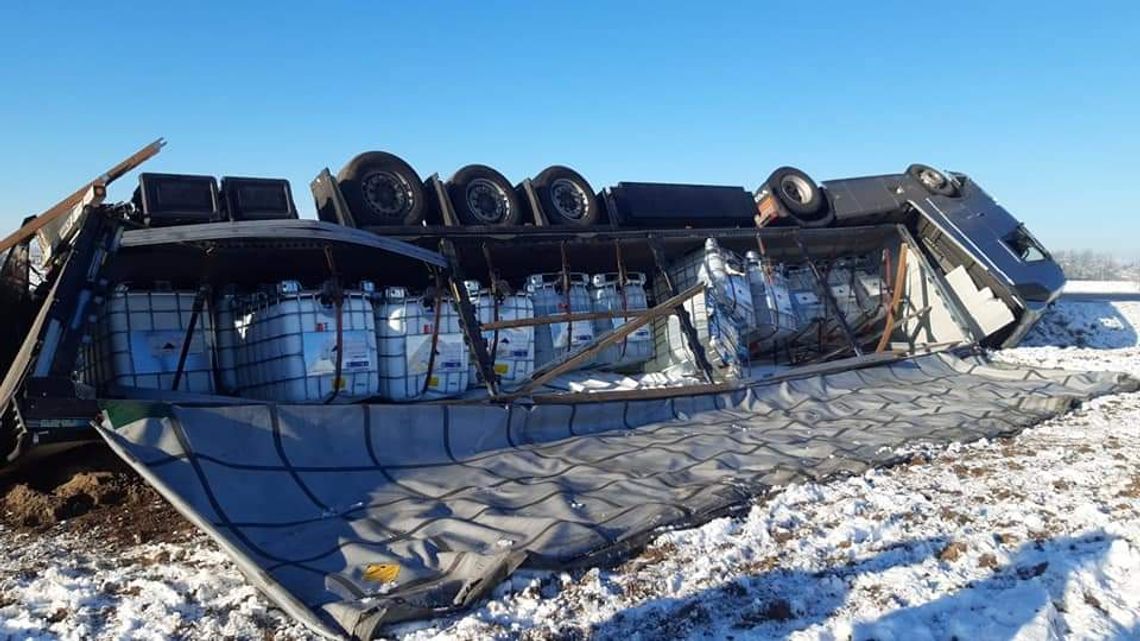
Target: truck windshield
(1025,246)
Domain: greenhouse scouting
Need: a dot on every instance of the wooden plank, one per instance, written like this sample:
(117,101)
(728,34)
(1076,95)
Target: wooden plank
(544,374)
(898,323)
(558,318)
(64,206)
(896,298)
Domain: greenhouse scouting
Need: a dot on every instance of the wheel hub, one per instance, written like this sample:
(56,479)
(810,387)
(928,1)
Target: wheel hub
(568,198)
(796,189)
(931,179)
(487,201)
(387,194)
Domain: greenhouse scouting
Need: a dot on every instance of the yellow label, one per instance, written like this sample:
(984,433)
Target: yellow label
(501,368)
(433,381)
(339,383)
(381,572)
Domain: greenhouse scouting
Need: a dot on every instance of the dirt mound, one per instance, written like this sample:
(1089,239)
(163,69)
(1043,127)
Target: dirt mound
(88,489)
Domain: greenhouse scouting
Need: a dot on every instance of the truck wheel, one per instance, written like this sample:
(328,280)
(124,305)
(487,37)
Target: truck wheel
(381,189)
(566,197)
(797,192)
(933,180)
(482,196)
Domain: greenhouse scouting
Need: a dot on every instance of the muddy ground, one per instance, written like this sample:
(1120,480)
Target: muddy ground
(88,490)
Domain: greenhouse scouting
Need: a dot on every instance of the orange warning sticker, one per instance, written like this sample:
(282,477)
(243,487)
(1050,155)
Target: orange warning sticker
(381,572)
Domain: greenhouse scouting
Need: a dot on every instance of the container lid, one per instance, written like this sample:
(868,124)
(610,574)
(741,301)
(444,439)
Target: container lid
(611,278)
(553,279)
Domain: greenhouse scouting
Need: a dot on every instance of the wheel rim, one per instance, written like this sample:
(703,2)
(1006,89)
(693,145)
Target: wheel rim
(387,194)
(932,178)
(487,201)
(568,198)
(796,189)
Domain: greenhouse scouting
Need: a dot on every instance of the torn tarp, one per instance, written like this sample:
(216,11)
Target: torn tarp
(353,517)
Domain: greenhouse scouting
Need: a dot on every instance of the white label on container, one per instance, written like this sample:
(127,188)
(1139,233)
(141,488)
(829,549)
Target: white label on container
(513,343)
(872,285)
(320,352)
(448,358)
(158,351)
(169,343)
(417,354)
(449,355)
(559,335)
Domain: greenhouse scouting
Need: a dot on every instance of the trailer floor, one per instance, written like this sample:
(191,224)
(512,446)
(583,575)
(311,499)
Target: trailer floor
(1034,537)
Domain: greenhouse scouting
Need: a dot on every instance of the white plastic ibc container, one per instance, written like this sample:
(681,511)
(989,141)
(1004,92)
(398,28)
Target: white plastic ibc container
(287,340)
(513,352)
(843,281)
(723,315)
(611,295)
(138,342)
(771,300)
(404,328)
(226,308)
(806,302)
(869,289)
(553,341)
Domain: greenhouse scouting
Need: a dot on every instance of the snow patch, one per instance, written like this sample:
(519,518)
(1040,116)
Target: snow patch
(1033,538)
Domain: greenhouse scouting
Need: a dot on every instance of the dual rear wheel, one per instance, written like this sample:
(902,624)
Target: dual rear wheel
(381,189)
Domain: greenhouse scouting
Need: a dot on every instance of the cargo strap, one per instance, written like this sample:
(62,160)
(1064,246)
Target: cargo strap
(621,289)
(199,304)
(469,321)
(184,353)
(434,331)
(566,297)
(337,295)
(496,292)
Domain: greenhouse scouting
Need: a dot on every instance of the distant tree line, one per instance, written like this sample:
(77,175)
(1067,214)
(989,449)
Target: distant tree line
(1086,264)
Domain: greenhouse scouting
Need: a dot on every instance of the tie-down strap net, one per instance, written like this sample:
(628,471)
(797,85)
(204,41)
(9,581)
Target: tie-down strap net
(353,517)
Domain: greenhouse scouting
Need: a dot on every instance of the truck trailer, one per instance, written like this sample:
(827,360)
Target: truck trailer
(421,335)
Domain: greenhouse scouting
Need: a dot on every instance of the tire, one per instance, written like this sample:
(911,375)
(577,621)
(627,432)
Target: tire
(483,196)
(798,193)
(933,180)
(381,189)
(566,197)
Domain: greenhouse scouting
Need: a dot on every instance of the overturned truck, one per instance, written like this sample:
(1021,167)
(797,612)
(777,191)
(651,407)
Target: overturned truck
(383,412)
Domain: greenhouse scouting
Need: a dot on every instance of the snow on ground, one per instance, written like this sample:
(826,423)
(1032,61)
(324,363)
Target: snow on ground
(1083,336)
(63,587)
(1031,538)
(1102,287)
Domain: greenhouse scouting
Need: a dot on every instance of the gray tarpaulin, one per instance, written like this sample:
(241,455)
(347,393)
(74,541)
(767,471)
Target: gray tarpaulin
(306,498)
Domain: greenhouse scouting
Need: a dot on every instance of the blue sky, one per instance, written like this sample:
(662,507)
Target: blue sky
(1038,101)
